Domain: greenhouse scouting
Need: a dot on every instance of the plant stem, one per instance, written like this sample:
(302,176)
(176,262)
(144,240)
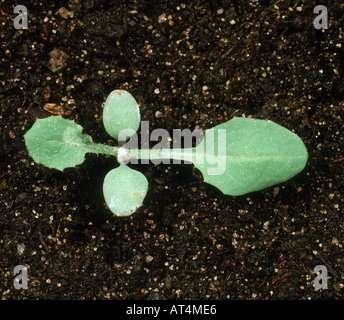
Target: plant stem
(102,148)
(158,154)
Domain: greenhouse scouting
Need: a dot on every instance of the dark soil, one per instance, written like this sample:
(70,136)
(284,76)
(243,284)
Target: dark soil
(198,64)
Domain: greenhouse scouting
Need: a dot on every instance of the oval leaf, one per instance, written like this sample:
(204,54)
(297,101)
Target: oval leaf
(121,112)
(124,190)
(57,143)
(245,155)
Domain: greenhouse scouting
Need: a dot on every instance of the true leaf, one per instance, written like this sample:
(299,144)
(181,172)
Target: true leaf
(124,190)
(57,143)
(256,154)
(121,115)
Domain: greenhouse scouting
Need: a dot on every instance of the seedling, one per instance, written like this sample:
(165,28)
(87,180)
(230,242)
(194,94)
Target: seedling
(240,156)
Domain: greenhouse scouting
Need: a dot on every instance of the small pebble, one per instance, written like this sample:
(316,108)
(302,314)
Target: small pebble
(149,258)
(162,18)
(158,114)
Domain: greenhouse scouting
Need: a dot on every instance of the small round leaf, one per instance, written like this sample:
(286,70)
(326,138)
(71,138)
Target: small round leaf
(121,112)
(124,190)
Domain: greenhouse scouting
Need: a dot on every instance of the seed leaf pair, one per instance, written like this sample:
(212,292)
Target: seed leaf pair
(124,188)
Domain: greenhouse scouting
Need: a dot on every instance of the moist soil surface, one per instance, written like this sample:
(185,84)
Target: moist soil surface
(189,65)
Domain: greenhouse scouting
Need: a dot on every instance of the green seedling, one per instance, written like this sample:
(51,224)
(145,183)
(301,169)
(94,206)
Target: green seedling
(240,156)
